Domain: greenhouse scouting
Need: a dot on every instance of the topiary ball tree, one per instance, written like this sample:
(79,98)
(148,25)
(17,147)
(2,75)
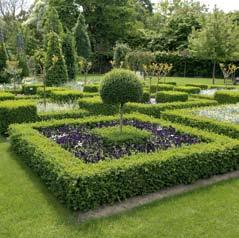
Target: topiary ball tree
(119,87)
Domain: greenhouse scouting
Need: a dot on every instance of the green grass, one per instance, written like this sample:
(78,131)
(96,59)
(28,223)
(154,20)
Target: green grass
(96,78)
(112,135)
(28,210)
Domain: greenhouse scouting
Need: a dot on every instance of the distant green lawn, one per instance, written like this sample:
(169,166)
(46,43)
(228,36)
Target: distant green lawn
(96,78)
(27,210)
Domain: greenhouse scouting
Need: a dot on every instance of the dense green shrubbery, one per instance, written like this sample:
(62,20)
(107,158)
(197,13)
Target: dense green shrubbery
(186,117)
(121,86)
(202,96)
(222,87)
(6,96)
(171,96)
(62,115)
(84,186)
(226,96)
(202,86)
(190,90)
(161,87)
(17,111)
(96,107)
(170,83)
(130,134)
(90,95)
(66,96)
(91,89)
(40,91)
(145,97)
(31,89)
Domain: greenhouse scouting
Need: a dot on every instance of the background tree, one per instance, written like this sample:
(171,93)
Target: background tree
(83,45)
(69,52)
(218,40)
(56,70)
(119,87)
(120,52)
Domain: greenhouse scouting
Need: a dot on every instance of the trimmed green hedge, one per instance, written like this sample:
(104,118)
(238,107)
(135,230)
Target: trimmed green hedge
(96,107)
(188,118)
(202,86)
(84,186)
(49,90)
(91,89)
(202,96)
(90,95)
(145,97)
(190,90)
(161,87)
(17,111)
(62,115)
(171,96)
(6,96)
(31,89)
(66,96)
(222,87)
(226,96)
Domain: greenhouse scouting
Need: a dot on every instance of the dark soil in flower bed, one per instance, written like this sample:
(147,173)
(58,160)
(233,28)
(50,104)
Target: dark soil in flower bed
(84,144)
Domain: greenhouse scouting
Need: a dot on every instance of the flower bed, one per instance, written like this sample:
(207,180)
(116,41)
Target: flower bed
(105,142)
(83,186)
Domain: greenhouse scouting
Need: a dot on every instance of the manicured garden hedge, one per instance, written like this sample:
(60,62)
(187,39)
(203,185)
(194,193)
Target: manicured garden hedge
(190,90)
(202,86)
(6,96)
(49,90)
(226,96)
(83,186)
(96,107)
(62,115)
(161,87)
(91,89)
(66,96)
(202,96)
(18,111)
(222,87)
(31,89)
(171,96)
(187,117)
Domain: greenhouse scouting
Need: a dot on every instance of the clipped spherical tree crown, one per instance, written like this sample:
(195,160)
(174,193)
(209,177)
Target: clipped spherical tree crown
(121,86)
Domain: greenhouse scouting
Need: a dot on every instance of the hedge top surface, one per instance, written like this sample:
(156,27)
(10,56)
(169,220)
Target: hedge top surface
(121,86)
(17,103)
(172,93)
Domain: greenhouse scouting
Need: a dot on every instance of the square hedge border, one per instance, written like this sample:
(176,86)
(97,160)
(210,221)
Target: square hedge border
(186,117)
(86,186)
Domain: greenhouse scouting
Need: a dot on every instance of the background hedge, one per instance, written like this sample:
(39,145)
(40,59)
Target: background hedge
(171,96)
(6,96)
(190,90)
(65,96)
(226,96)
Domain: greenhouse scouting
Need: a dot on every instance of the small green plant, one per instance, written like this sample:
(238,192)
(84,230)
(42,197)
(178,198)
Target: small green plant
(85,66)
(119,87)
(112,136)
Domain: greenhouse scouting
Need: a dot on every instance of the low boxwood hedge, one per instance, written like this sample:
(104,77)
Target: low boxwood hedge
(222,87)
(66,96)
(226,96)
(187,117)
(161,87)
(190,90)
(83,186)
(202,96)
(31,89)
(96,107)
(202,86)
(91,89)
(48,90)
(6,96)
(171,96)
(16,111)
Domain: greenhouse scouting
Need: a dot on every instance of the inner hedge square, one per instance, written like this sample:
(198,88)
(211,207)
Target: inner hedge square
(103,141)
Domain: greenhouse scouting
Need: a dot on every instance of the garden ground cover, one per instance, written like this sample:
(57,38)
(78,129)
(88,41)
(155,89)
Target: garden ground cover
(28,210)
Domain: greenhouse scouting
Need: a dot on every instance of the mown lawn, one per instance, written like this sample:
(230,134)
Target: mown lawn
(28,210)
(96,78)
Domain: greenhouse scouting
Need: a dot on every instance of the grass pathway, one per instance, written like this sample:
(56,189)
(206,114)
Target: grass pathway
(28,210)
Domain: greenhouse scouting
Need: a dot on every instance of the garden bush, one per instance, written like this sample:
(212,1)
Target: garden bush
(202,86)
(91,89)
(6,96)
(66,96)
(227,96)
(17,111)
(190,90)
(96,107)
(31,89)
(49,90)
(161,87)
(145,97)
(83,186)
(171,96)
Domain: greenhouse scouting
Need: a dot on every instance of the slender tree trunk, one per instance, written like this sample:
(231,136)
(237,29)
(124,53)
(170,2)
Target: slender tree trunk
(185,69)
(121,117)
(214,72)
(150,85)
